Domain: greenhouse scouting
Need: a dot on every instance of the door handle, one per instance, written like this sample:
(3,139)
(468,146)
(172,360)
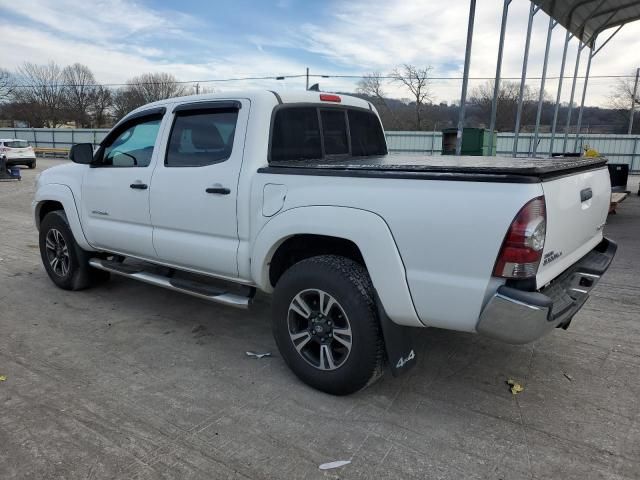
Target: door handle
(219,190)
(139,186)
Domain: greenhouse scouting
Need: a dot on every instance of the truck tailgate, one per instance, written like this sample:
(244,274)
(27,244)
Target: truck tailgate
(577,207)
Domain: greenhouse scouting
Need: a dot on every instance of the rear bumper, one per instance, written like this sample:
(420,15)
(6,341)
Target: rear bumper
(516,316)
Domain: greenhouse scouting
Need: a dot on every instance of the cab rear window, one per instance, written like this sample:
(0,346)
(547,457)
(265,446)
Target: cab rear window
(307,133)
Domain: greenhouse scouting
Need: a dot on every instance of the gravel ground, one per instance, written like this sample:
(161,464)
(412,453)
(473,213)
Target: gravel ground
(131,381)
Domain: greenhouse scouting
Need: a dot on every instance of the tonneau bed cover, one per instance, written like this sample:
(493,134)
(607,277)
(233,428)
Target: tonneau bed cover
(445,167)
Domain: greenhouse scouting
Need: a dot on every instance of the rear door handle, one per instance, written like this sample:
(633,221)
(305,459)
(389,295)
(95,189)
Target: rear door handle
(586,194)
(139,186)
(219,190)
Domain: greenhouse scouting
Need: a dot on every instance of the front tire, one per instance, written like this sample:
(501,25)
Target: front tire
(65,262)
(326,326)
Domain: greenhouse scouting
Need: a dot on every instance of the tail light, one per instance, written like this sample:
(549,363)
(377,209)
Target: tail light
(522,248)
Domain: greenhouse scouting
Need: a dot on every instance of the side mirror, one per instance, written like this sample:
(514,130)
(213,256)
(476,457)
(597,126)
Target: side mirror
(81,153)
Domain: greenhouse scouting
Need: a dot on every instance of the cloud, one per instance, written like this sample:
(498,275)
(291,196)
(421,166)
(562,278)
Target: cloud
(118,39)
(101,20)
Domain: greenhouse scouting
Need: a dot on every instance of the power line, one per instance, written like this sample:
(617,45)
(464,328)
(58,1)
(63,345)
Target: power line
(284,77)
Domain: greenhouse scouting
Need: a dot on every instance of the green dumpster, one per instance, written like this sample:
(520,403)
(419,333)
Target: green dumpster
(475,141)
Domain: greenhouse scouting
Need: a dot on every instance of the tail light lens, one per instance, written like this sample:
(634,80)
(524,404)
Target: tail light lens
(522,248)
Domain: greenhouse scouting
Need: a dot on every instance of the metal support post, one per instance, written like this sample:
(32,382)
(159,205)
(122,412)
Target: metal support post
(532,11)
(633,102)
(573,91)
(552,24)
(584,94)
(496,84)
(465,79)
(307,78)
(567,38)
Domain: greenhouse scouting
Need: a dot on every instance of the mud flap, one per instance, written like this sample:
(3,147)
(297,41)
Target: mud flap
(398,342)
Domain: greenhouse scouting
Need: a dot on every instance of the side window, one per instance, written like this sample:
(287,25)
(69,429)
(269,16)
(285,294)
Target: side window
(296,134)
(201,137)
(133,147)
(367,137)
(334,132)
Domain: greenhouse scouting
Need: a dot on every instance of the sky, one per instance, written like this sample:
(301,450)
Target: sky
(200,40)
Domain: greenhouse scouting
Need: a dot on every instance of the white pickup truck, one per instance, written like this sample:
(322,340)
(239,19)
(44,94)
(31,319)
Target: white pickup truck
(294,194)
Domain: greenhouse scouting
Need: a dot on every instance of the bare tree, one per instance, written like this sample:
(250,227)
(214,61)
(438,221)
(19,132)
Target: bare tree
(621,97)
(622,94)
(39,89)
(198,89)
(146,88)
(417,82)
(151,87)
(371,86)
(125,99)
(100,104)
(482,96)
(79,92)
(6,84)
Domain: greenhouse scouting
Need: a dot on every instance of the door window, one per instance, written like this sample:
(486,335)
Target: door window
(200,138)
(133,147)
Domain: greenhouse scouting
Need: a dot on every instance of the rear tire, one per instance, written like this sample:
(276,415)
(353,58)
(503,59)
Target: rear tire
(325,323)
(65,262)
(32,165)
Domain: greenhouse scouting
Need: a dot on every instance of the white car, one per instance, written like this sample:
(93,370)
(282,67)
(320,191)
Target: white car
(294,194)
(18,152)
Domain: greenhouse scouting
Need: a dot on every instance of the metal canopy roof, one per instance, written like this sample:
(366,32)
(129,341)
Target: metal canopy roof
(587,18)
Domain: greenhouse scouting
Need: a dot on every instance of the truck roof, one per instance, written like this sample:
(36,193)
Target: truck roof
(284,96)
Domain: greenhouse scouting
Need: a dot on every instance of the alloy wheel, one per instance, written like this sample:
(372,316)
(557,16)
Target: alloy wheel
(319,329)
(57,253)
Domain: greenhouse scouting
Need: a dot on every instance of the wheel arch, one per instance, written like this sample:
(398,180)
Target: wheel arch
(355,233)
(53,197)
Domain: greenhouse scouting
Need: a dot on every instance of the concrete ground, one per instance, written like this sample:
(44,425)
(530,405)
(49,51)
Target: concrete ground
(131,381)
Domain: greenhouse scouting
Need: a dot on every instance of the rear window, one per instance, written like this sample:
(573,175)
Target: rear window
(17,144)
(296,134)
(334,132)
(305,133)
(367,137)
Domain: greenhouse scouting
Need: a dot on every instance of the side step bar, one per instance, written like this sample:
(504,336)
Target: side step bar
(195,289)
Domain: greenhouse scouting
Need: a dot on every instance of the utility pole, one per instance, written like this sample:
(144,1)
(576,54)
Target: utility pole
(307,78)
(633,102)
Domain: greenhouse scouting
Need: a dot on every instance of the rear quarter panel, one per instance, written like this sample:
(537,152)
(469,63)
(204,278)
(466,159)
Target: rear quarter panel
(448,233)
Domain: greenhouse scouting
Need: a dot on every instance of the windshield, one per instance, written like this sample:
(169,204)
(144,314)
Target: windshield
(17,144)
